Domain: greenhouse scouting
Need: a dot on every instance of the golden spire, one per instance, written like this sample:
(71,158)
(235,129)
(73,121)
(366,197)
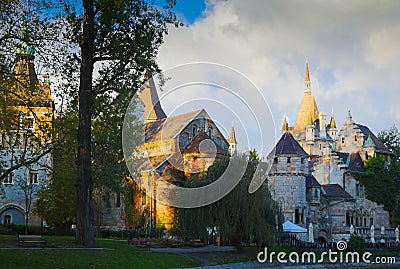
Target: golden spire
(285,125)
(332,124)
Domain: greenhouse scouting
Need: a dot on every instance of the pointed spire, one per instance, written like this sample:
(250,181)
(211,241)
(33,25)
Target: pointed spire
(232,136)
(307,81)
(349,118)
(332,123)
(149,96)
(285,125)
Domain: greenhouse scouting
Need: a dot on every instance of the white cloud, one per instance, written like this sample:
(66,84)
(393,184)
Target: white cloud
(352,48)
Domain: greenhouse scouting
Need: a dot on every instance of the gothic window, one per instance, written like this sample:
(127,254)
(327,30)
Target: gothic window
(355,137)
(33,177)
(210,131)
(9,178)
(366,155)
(361,191)
(348,219)
(288,160)
(7,219)
(297,216)
(302,215)
(194,130)
(371,222)
(342,140)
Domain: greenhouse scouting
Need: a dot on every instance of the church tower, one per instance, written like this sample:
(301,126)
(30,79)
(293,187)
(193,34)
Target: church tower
(232,141)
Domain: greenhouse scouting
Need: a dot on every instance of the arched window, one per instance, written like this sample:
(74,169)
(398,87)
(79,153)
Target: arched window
(194,131)
(7,219)
(342,140)
(210,131)
(297,216)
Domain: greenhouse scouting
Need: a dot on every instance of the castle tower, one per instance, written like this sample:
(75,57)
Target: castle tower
(288,176)
(152,107)
(29,90)
(308,105)
(232,141)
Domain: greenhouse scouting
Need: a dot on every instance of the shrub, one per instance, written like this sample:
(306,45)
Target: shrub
(356,243)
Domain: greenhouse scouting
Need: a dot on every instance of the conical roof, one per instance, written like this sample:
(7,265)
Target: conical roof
(288,146)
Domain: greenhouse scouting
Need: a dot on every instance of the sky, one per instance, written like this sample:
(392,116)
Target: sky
(353,50)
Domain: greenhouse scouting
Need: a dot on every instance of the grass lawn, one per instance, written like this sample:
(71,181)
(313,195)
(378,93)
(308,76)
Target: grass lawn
(120,255)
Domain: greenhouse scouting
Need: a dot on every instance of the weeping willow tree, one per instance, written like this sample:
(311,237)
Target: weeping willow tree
(238,217)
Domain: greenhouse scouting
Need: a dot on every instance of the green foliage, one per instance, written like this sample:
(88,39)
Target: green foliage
(356,243)
(238,217)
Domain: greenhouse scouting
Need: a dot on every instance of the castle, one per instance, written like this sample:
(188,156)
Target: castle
(311,173)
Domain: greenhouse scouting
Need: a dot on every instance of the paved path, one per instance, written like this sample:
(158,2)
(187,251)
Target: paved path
(257,265)
(195,250)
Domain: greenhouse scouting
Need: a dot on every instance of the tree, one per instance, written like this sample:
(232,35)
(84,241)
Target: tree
(239,216)
(391,138)
(118,39)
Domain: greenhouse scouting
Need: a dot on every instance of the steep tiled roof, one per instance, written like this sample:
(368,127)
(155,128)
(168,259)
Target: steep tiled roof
(170,127)
(287,145)
(311,182)
(369,134)
(335,191)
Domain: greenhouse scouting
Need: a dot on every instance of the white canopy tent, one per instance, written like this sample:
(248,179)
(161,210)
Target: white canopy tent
(290,227)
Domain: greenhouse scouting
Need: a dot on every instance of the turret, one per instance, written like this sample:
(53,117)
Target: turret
(309,129)
(332,128)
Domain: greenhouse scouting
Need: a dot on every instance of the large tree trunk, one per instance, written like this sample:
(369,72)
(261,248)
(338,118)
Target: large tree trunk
(84,227)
